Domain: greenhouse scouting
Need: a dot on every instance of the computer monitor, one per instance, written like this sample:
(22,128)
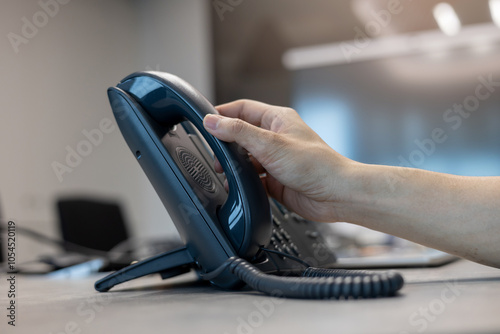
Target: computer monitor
(92,223)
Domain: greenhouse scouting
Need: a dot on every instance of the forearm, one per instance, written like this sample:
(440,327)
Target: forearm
(459,215)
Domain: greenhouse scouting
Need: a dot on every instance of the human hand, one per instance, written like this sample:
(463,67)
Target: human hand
(302,171)
(455,214)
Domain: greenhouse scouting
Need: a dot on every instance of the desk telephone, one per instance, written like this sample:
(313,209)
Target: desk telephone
(230,237)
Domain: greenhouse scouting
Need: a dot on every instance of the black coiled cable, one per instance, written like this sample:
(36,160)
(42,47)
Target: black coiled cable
(315,284)
(363,283)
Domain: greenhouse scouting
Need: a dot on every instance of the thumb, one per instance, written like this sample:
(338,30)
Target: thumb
(229,129)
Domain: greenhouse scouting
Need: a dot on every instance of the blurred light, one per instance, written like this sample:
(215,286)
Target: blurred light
(447,18)
(495,11)
(478,37)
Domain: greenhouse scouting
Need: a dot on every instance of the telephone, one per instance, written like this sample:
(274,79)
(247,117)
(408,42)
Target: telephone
(230,237)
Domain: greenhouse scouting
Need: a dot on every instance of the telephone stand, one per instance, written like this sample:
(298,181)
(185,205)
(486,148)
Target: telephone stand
(169,264)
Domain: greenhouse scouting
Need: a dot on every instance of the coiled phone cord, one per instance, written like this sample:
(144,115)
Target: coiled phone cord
(316,283)
(363,283)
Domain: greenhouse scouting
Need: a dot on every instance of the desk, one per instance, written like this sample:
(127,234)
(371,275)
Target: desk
(461,297)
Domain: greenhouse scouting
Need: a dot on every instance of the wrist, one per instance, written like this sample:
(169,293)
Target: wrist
(367,193)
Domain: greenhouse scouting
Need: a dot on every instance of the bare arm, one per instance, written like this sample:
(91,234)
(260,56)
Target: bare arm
(459,215)
(456,214)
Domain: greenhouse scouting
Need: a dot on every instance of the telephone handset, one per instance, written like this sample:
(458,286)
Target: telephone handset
(234,237)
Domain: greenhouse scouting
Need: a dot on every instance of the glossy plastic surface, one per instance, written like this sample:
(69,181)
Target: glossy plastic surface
(147,106)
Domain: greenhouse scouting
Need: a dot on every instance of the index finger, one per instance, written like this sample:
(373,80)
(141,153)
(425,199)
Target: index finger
(253,112)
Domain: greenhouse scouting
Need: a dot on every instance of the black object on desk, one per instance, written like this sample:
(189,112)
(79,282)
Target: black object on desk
(91,223)
(94,224)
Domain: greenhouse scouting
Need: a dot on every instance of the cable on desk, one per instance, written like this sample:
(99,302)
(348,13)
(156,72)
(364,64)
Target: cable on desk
(109,255)
(291,257)
(373,282)
(357,285)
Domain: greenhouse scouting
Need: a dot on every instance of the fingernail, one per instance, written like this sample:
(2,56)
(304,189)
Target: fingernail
(211,121)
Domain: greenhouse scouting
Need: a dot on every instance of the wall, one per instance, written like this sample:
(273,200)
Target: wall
(57,59)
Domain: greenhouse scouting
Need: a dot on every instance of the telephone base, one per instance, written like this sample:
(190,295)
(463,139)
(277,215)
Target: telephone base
(169,264)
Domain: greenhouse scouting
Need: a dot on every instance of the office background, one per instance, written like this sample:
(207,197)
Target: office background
(54,88)
(58,60)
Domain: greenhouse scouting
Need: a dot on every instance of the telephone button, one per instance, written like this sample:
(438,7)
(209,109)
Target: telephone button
(294,248)
(285,234)
(312,234)
(278,236)
(287,249)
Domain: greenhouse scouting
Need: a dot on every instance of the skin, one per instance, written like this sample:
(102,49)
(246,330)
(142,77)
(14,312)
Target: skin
(456,214)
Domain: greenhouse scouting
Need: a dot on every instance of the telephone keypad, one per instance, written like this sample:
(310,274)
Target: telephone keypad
(295,236)
(282,240)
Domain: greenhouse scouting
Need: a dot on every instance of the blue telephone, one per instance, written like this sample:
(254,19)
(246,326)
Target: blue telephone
(231,237)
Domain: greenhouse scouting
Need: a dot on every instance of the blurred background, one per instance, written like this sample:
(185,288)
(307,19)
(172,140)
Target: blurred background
(413,83)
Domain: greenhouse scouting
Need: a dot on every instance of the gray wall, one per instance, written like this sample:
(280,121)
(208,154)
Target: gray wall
(53,88)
